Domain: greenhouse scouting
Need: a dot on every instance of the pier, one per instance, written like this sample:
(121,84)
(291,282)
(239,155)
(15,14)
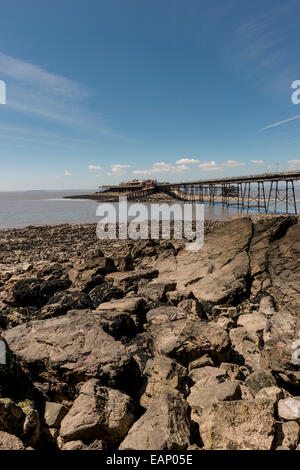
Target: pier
(267,192)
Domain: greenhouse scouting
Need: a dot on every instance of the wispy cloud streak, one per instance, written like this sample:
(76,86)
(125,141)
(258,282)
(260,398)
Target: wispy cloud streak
(275,124)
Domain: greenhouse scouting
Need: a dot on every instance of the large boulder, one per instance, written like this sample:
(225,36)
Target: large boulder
(166,314)
(134,306)
(62,302)
(238,425)
(10,442)
(289,408)
(131,279)
(34,292)
(98,413)
(187,340)
(277,353)
(11,417)
(266,232)
(54,414)
(20,419)
(69,349)
(219,272)
(156,290)
(246,347)
(284,269)
(253,321)
(260,379)
(104,291)
(161,373)
(202,396)
(287,434)
(164,426)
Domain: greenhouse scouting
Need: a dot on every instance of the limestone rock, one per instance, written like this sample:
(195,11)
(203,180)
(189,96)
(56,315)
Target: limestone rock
(238,425)
(218,273)
(62,302)
(208,375)
(246,347)
(232,370)
(79,445)
(192,306)
(273,394)
(203,361)
(165,314)
(202,396)
(284,269)
(33,292)
(287,434)
(163,374)
(224,311)
(187,340)
(278,350)
(156,290)
(103,292)
(134,306)
(131,278)
(10,442)
(260,379)
(98,413)
(289,408)
(54,413)
(252,321)
(73,346)
(11,417)
(130,305)
(164,426)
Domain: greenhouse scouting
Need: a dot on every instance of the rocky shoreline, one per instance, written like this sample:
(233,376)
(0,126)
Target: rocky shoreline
(146,346)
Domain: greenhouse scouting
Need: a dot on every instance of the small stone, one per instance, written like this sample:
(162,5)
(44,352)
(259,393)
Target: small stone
(289,408)
(287,434)
(259,379)
(253,322)
(232,370)
(271,393)
(203,361)
(54,414)
(219,310)
(226,323)
(191,306)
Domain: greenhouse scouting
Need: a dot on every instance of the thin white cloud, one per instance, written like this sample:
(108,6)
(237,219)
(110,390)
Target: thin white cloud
(232,163)
(294,164)
(67,173)
(161,168)
(214,166)
(297,116)
(186,161)
(31,74)
(257,162)
(35,91)
(257,45)
(210,166)
(95,167)
(118,170)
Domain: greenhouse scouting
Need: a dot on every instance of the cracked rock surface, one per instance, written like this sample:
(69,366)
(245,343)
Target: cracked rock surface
(121,344)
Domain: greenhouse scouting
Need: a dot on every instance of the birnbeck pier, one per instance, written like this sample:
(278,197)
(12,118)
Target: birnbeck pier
(267,192)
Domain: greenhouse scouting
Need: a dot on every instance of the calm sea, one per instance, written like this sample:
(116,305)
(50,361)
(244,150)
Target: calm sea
(24,208)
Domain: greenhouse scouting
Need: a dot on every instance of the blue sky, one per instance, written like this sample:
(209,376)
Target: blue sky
(104,91)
